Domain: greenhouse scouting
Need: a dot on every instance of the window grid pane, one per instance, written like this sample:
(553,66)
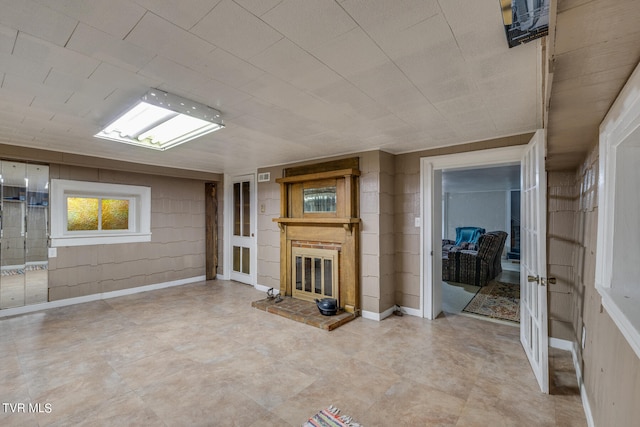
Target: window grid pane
(115,214)
(246,209)
(82,213)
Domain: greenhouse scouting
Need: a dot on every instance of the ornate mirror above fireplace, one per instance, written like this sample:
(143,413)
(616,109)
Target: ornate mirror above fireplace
(319,199)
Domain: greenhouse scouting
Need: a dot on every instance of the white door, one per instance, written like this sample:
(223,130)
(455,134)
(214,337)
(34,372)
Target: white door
(242,233)
(533,290)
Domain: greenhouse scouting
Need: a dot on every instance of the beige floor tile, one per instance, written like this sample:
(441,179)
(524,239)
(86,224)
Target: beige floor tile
(199,354)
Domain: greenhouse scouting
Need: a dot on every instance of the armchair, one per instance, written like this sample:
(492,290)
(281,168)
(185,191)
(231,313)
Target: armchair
(475,267)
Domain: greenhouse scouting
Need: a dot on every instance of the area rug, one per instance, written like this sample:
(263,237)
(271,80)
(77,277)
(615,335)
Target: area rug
(330,417)
(497,300)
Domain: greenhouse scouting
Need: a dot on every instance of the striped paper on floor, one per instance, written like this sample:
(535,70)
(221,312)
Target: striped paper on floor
(330,417)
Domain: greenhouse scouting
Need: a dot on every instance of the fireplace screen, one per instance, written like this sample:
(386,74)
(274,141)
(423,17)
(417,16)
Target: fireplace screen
(315,273)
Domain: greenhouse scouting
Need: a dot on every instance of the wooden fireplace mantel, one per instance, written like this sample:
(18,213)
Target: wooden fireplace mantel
(347,223)
(339,226)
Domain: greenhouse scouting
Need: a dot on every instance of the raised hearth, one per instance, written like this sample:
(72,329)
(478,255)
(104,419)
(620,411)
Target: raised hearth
(304,312)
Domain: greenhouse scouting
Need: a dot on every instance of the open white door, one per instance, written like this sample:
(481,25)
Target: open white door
(533,265)
(242,240)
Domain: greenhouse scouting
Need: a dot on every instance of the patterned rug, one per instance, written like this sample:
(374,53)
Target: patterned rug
(497,300)
(330,417)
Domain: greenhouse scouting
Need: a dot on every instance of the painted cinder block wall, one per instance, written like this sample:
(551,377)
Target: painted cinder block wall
(176,250)
(610,367)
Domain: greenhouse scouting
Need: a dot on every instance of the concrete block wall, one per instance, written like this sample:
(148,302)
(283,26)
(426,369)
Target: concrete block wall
(176,250)
(268,231)
(610,368)
(407,235)
(562,250)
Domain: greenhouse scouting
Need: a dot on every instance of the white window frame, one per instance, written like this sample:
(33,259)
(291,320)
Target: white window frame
(139,213)
(620,128)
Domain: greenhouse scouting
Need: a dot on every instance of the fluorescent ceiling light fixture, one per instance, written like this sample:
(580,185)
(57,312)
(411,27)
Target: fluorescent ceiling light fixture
(161,120)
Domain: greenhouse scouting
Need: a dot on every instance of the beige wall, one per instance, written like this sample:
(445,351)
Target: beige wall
(563,248)
(377,237)
(268,231)
(610,367)
(176,250)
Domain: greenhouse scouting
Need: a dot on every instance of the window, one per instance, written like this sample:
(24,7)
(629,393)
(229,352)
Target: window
(91,213)
(617,267)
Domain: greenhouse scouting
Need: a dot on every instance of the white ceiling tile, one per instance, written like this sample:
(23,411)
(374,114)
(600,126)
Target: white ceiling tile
(350,53)
(116,17)
(182,81)
(380,18)
(418,38)
(297,79)
(258,7)
(284,95)
(7,38)
(13,99)
(43,94)
(291,63)
(54,56)
(234,29)
(163,38)
(382,82)
(105,47)
(185,13)
(226,68)
(309,23)
(478,29)
(26,69)
(349,100)
(37,19)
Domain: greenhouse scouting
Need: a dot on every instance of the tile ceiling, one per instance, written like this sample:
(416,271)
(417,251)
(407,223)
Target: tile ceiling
(294,79)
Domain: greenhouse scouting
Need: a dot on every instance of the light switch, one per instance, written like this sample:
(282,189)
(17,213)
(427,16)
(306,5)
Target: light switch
(417,222)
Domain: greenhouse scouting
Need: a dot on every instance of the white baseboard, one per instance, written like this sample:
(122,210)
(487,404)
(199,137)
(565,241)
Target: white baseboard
(377,316)
(572,346)
(264,288)
(411,311)
(561,344)
(388,312)
(96,297)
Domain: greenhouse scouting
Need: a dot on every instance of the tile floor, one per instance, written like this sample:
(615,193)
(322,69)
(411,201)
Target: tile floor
(200,355)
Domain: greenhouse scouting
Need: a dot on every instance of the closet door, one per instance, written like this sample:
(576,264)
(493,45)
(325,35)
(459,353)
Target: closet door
(13,234)
(24,233)
(37,234)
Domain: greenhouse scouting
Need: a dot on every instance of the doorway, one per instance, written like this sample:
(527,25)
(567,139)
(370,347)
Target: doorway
(432,213)
(242,251)
(533,291)
(486,199)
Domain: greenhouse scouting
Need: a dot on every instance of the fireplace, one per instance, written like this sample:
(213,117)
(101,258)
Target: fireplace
(315,271)
(319,224)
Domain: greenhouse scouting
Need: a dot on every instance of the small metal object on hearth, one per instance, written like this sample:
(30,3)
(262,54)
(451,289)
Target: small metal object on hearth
(278,298)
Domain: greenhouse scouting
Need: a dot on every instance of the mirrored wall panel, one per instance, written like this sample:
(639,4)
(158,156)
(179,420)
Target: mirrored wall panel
(24,233)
